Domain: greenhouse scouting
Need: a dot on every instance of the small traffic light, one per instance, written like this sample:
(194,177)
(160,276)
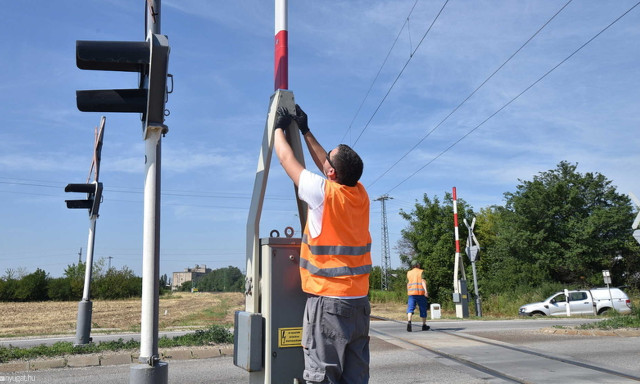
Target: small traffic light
(92,202)
(150,58)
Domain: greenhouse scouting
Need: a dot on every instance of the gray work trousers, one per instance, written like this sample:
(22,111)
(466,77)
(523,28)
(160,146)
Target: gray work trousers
(335,337)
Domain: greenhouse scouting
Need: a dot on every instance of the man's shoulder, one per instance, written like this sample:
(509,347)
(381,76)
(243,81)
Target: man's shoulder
(311,179)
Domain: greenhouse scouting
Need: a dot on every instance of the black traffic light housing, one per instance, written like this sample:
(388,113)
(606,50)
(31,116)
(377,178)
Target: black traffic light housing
(92,202)
(150,58)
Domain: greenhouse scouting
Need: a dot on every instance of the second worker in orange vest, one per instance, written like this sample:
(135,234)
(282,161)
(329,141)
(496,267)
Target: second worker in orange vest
(335,257)
(418,294)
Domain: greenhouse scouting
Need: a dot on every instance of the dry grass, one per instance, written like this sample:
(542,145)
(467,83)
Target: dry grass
(398,311)
(395,311)
(180,309)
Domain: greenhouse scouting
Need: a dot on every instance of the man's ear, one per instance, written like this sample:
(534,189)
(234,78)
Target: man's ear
(331,174)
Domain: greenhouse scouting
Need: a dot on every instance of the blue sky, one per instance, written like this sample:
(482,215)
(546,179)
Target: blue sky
(584,111)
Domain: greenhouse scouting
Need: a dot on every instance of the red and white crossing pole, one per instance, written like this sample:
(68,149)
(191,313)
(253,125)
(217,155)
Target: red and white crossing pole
(456,284)
(281,57)
(455,222)
(459,285)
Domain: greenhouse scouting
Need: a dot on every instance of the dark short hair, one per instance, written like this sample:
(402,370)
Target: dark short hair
(348,166)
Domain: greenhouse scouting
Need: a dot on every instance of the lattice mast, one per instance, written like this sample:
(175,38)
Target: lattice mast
(386,258)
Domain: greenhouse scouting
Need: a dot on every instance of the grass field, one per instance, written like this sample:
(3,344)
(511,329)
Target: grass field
(177,310)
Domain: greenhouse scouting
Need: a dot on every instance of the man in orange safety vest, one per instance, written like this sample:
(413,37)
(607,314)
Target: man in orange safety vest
(418,294)
(335,256)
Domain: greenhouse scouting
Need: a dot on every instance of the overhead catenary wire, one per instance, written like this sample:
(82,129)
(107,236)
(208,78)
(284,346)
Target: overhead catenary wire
(400,74)
(379,70)
(178,193)
(471,94)
(514,98)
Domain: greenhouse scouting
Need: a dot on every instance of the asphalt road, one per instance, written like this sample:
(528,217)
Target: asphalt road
(454,352)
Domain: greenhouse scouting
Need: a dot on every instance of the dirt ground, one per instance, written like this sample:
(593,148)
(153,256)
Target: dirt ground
(180,310)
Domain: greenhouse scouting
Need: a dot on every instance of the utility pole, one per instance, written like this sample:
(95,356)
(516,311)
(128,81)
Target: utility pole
(386,263)
(80,256)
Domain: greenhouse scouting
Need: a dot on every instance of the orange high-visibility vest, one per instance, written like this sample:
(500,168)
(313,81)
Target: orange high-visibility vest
(414,286)
(338,261)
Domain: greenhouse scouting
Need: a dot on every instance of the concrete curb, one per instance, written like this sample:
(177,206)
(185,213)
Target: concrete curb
(592,332)
(117,358)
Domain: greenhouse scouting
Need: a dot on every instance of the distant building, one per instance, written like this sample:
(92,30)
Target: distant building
(189,274)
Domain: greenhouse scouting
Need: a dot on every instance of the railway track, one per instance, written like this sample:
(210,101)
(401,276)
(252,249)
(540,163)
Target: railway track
(496,360)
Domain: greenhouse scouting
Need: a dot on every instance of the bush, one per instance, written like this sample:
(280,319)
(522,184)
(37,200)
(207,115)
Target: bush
(8,289)
(616,320)
(33,287)
(378,296)
(118,284)
(59,289)
(508,303)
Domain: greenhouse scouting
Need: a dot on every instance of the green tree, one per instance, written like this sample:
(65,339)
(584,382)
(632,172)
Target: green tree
(429,238)
(74,275)
(117,284)
(375,277)
(163,284)
(395,279)
(563,226)
(33,287)
(186,286)
(229,279)
(59,289)
(8,287)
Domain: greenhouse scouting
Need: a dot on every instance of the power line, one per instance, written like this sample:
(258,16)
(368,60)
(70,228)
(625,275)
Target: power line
(380,70)
(177,193)
(516,97)
(400,74)
(470,95)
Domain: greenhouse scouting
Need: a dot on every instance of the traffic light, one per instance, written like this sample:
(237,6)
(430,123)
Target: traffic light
(92,202)
(150,58)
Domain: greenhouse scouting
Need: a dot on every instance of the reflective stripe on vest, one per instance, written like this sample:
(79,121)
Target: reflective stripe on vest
(339,271)
(336,249)
(338,261)
(414,287)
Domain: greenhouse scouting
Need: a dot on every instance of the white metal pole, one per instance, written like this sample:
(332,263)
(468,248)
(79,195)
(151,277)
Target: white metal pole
(151,370)
(150,250)
(86,293)
(85,306)
(151,223)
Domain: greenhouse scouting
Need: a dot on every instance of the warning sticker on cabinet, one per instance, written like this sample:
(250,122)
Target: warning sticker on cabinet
(289,337)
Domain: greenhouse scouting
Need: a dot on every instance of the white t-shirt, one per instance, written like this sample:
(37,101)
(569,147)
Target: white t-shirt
(311,191)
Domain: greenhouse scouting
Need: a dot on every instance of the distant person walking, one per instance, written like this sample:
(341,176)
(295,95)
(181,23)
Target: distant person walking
(418,294)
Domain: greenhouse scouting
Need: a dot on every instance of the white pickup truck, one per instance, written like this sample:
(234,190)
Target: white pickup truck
(582,302)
